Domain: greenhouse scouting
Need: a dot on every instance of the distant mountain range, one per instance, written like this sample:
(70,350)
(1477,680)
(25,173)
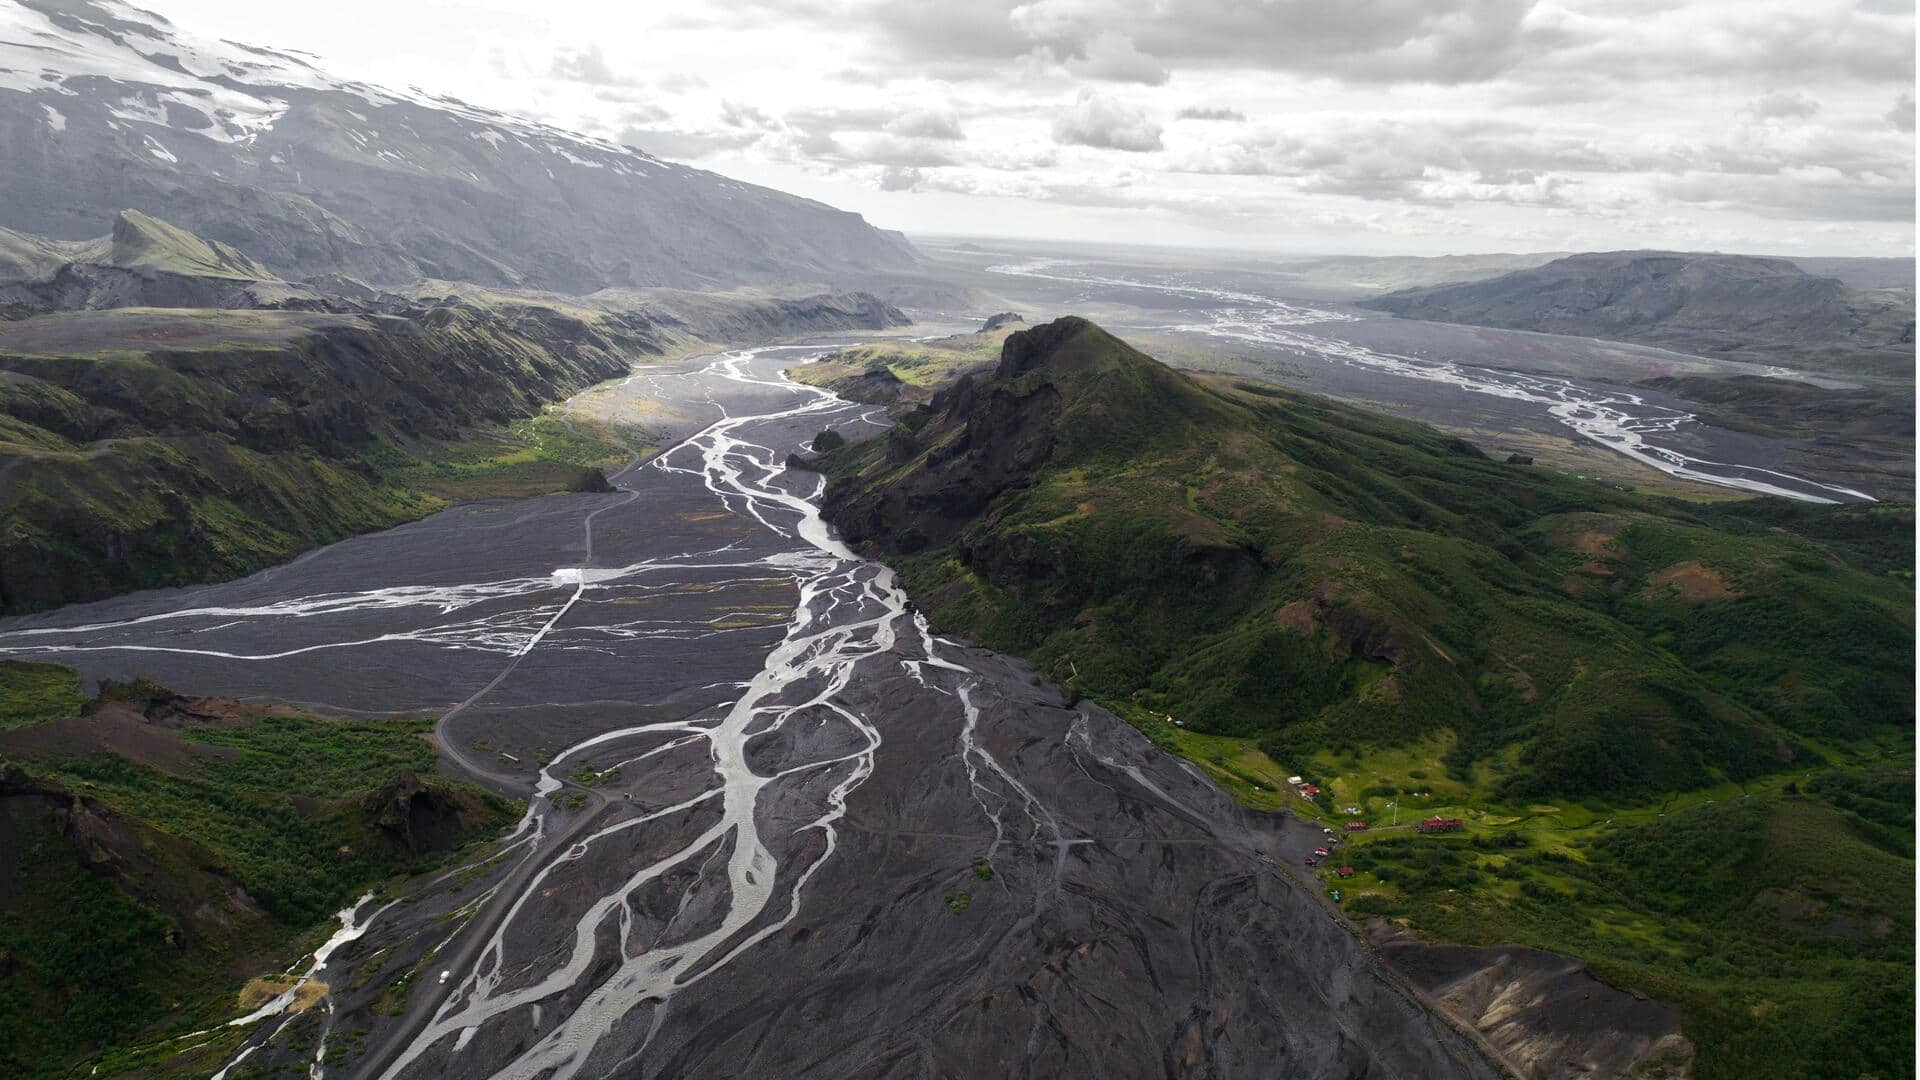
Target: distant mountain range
(1737,307)
(105,107)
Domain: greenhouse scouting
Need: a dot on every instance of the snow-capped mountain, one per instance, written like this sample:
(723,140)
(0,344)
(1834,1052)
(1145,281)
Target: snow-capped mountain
(105,107)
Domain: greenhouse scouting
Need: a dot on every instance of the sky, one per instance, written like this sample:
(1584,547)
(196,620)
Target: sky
(1313,126)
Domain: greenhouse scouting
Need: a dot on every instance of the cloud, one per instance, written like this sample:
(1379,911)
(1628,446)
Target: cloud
(1203,112)
(1782,40)
(1106,124)
(1141,40)
(587,65)
(1807,193)
(1551,119)
(925,124)
(735,114)
(684,145)
(893,150)
(1901,115)
(1114,57)
(1783,105)
(899,178)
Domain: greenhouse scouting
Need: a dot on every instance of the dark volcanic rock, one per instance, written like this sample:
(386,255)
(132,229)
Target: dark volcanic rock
(1519,459)
(419,817)
(877,385)
(1005,318)
(1134,924)
(1544,1013)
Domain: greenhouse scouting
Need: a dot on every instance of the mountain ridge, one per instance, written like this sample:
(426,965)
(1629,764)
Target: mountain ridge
(1670,739)
(104,106)
(166,418)
(1263,562)
(1737,307)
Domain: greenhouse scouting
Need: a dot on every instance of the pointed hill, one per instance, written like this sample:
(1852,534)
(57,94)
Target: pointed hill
(141,241)
(1268,564)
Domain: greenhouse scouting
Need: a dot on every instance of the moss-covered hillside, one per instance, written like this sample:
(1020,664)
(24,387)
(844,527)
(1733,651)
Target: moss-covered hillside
(144,447)
(1263,563)
(161,852)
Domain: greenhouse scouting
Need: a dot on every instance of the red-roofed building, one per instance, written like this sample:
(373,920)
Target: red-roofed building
(1309,790)
(1345,871)
(1441,824)
(1356,826)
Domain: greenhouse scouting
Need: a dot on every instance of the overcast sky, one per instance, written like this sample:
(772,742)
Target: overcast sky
(1417,126)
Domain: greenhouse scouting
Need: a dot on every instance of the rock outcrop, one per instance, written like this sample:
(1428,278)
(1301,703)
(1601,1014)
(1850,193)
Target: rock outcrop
(146,446)
(1544,1013)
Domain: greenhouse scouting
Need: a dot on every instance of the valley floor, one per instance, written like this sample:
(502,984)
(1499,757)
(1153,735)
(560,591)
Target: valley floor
(756,778)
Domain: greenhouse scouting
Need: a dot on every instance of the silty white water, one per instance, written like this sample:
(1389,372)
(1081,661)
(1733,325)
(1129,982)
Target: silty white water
(850,611)
(1619,420)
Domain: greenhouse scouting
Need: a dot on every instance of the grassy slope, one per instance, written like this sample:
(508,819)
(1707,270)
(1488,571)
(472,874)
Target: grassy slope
(144,447)
(139,240)
(101,950)
(129,468)
(1317,589)
(921,366)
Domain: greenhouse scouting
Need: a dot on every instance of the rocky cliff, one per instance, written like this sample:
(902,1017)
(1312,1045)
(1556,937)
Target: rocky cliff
(171,442)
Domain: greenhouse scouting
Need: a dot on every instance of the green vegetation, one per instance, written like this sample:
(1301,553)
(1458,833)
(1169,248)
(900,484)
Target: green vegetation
(1680,733)
(917,368)
(32,693)
(148,889)
(982,869)
(149,448)
(536,456)
(139,240)
(1267,565)
(586,775)
(1780,922)
(957,900)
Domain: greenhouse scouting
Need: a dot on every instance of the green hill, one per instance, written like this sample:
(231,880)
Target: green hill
(1679,735)
(169,857)
(139,240)
(1267,564)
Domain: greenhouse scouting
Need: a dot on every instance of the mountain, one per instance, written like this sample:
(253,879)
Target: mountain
(142,262)
(230,420)
(1737,307)
(104,106)
(1273,584)
(1261,562)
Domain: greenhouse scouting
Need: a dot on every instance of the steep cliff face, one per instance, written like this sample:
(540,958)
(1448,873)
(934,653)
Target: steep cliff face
(1543,1013)
(171,442)
(141,262)
(105,106)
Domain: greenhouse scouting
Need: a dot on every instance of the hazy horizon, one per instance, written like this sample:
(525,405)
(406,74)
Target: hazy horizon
(1410,129)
